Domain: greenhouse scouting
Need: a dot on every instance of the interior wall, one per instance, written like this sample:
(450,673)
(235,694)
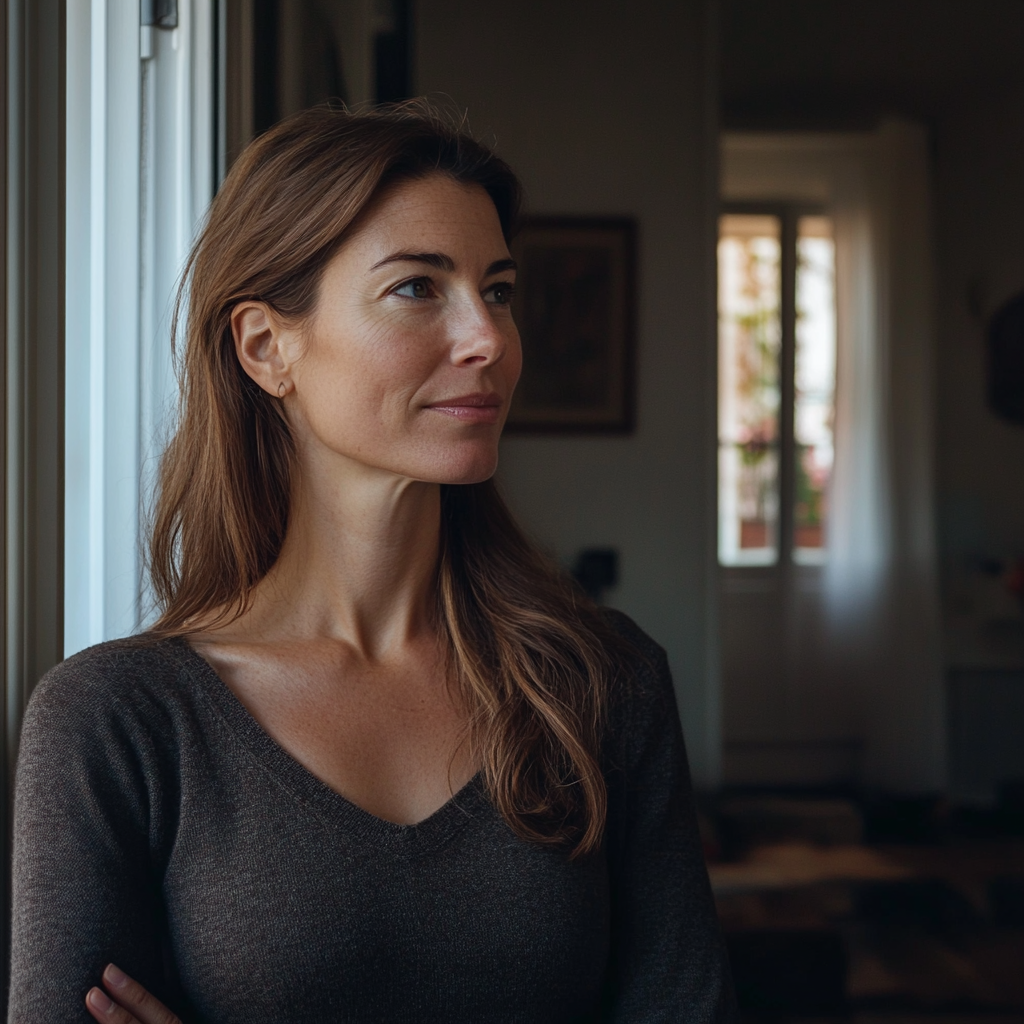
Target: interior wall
(955,67)
(980,216)
(613,112)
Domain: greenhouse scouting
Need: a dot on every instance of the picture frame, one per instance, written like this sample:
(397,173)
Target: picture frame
(575,306)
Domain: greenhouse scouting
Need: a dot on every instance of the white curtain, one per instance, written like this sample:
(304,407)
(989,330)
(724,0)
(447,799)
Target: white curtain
(880,590)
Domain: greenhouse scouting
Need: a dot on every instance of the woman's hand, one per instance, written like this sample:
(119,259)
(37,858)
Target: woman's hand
(126,1002)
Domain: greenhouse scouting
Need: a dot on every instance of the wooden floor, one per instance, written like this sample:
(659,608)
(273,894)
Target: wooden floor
(925,933)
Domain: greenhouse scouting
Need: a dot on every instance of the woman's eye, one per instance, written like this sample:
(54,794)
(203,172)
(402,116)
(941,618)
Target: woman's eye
(416,289)
(501,294)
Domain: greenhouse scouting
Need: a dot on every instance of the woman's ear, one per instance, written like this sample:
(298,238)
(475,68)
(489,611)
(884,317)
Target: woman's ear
(262,346)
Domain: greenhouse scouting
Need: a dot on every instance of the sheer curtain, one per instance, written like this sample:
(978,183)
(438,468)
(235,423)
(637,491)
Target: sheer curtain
(879,590)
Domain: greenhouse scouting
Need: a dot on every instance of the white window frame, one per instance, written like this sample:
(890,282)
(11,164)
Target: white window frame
(142,161)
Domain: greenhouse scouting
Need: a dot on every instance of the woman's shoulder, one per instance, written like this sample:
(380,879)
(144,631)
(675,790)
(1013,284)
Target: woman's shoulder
(645,653)
(641,688)
(135,674)
(643,722)
(107,730)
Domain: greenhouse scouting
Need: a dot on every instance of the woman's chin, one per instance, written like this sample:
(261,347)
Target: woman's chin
(467,471)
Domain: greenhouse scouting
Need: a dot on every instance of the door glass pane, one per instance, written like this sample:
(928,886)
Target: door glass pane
(815,385)
(749,339)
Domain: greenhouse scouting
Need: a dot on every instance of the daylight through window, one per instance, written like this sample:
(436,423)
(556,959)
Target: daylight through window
(777,356)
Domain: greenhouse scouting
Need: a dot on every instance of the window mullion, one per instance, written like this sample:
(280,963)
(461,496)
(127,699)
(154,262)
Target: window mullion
(787,375)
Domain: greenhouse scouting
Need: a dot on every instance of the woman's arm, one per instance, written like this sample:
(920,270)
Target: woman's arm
(668,960)
(87,814)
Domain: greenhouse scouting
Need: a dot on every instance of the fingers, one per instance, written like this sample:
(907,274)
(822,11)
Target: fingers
(128,1002)
(147,1009)
(105,1010)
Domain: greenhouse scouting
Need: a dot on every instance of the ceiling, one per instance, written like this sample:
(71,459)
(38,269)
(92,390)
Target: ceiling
(832,62)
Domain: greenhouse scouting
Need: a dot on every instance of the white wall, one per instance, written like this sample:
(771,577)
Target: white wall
(607,109)
(980,219)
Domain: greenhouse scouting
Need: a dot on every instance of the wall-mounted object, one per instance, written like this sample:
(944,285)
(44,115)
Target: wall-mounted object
(1006,361)
(596,570)
(575,306)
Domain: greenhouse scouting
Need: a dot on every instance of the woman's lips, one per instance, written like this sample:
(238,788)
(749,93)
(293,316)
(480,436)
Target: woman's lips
(476,408)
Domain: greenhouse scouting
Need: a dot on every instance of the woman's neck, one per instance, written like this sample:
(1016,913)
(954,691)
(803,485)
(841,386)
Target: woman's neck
(358,563)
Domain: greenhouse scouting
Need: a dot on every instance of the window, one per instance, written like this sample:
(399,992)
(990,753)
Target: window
(776,379)
(142,143)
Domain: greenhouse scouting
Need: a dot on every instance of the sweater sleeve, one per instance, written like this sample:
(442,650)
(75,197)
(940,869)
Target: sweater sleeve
(668,961)
(86,804)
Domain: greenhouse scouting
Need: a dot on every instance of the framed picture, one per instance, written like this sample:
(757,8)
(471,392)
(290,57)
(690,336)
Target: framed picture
(575,309)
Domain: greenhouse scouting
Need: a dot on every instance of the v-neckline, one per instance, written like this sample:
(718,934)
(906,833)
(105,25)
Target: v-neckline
(312,791)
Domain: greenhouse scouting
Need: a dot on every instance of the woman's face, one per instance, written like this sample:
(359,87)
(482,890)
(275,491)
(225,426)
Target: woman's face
(409,361)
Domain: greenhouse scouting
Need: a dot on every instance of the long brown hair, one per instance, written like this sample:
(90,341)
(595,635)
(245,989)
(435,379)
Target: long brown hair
(532,659)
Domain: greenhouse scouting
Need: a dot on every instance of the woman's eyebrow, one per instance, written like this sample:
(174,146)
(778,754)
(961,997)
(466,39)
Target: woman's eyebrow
(440,260)
(499,266)
(433,259)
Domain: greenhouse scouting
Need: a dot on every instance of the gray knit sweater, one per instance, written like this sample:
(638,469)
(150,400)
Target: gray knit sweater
(159,827)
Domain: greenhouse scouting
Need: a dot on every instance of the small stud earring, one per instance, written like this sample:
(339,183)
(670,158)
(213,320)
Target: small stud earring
(280,390)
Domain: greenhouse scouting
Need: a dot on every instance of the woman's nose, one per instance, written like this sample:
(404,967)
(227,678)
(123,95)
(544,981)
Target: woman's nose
(477,338)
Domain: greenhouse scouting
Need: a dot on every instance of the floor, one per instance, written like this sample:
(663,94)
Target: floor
(836,909)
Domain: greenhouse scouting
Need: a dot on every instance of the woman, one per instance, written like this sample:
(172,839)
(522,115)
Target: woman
(376,760)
